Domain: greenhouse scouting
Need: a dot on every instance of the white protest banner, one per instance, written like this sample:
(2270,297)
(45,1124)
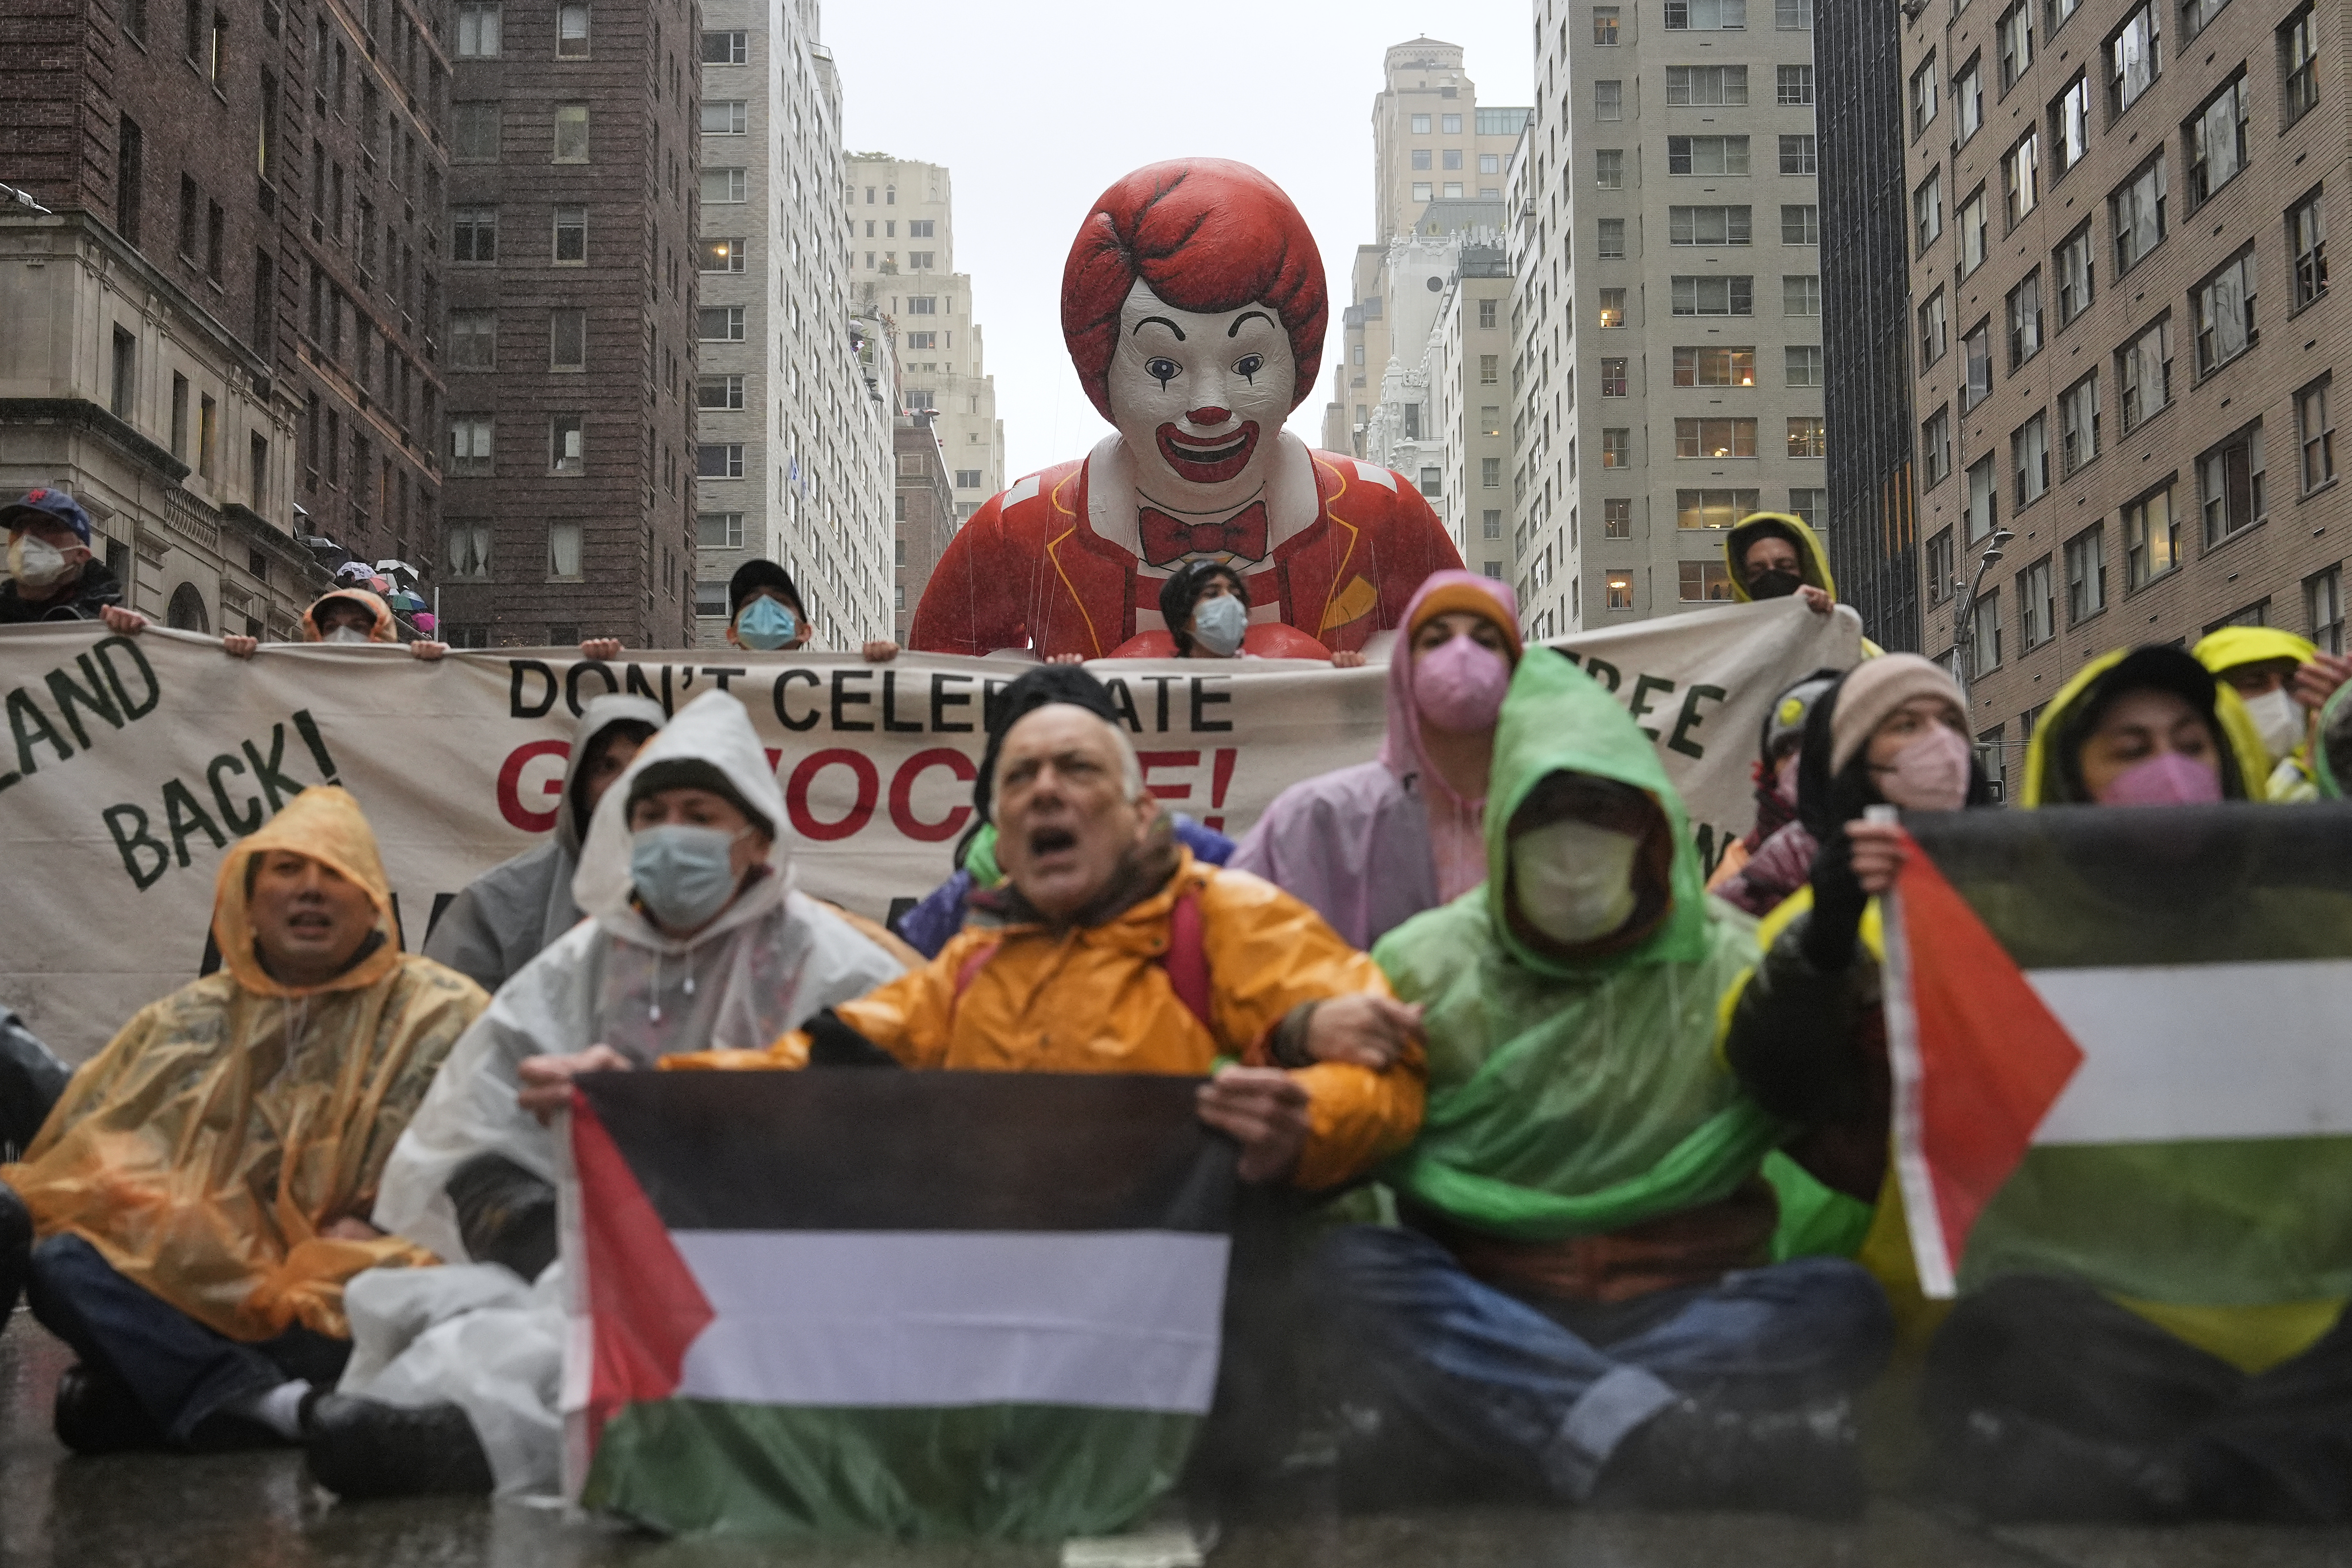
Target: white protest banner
(130,762)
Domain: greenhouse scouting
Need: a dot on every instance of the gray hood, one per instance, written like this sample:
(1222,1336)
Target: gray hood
(599,714)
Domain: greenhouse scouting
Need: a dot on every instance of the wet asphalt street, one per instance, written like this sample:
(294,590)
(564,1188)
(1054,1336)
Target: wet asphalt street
(258,1510)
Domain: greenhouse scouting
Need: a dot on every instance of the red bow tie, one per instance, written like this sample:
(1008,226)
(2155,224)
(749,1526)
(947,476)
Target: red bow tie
(1167,540)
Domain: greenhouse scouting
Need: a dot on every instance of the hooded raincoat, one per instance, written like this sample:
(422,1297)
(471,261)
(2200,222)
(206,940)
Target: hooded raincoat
(205,1148)
(2328,763)
(1574,1097)
(1371,845)
(385,630)
(2293,777)
(772,959)
(2053,776)
(1812,561)
(507,914)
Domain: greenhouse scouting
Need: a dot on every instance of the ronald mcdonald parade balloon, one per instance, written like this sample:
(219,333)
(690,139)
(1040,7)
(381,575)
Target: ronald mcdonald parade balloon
(1194,307)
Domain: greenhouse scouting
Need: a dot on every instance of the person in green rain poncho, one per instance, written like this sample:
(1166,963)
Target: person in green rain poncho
(1578,1303)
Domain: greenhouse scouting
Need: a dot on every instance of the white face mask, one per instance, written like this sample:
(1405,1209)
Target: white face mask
(346,634)
(36,562)
(1573,881)
(2280,718)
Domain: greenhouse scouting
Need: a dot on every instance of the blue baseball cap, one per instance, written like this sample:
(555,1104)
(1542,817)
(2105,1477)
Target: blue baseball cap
(53,506)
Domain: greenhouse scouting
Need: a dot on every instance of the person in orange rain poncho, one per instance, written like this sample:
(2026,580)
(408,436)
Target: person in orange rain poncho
(200,1192)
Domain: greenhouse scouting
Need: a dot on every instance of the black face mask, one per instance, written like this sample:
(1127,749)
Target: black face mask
(1773,584)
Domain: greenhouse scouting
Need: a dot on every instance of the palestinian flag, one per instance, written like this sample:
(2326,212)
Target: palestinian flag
(912,1304)
(2122,1046)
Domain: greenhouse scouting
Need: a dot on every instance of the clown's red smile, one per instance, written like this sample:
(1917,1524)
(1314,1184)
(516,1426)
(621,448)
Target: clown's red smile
(1208,459)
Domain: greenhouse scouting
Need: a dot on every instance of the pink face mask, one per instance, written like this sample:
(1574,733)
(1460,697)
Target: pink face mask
(2166,778)
(1459,685)
(1930,773)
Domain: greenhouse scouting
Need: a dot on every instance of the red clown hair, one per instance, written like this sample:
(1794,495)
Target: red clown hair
(1206,234)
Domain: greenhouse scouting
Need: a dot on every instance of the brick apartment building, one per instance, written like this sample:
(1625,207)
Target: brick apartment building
(221,334)
(572,280)
(925,509)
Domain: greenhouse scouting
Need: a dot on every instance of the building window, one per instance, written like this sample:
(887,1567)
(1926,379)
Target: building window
(1798,155)
(1706,225)
(130,175)
(1421,124)
(1490,370)
(2306,241)
(1707,154)
(2151,541)
(724,48)
(1612,377)
(1423,191)
(2323,602)
(2144,371)
(2298,44)
(2086,573)
(2216,142)
(1620,588)
(2015,30)
(1793,15)
(1935,449)
(2134,55)
(1934,330)
(1976,356)
(711,598)
(1613,239)
(1800,294)
(1732,296)
(1432,481)
(473,340)
(2078,420)
(720,323)
(724,117)
(469,443)
(718,461)
(1706,583)
(474,132)
(2230,485)
(467,552)
(1604,27)
(1609,100)
(570,133)
(1706,87)
(1807,503)
(1922,96)
(2028,460)
(1715,438)
(2072,262)
(722,186)
(2138,213)
(1984,633)
(967,478)
(1939,567)
(2037,605)
(2024,310)
(2225,313)
(473,234)
(1489,313)
(566,443)
(478,30)
(719,255)
(1984,499)
(1616,449)
(1807,437)
(1795,84)
(1967,100)
(1705,16)
(718,530)
(1421,158)
(2022,176)
(571,236)
(189,199)
(1801,224)
(1803,365)
(1490,524)
(564,541)
(571,30)
(719,392)
(1715,510)
(1490,473)
(2314,430)
(1971,217)
(1714,366)
(2070,125)
(1928,210)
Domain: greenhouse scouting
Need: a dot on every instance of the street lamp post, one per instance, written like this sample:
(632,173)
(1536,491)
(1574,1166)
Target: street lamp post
(1964,617)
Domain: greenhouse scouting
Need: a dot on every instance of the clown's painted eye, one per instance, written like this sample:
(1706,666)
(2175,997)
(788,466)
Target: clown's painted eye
(1163,369)
(1248,365)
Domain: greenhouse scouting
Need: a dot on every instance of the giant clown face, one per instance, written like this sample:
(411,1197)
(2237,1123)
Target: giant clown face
(1199,397)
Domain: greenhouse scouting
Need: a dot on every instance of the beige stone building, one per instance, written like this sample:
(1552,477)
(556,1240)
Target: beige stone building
(1666,366)
(902,266)
(2124,336)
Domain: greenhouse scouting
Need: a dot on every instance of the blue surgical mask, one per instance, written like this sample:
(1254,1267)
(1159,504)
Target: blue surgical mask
(767,625)
(683,874)
(1219,623)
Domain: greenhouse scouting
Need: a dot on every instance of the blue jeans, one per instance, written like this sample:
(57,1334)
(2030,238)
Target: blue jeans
(1543,1391)
(180,1370)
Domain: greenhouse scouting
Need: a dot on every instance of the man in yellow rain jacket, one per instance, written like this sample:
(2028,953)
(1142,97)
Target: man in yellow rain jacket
(199,1192)
(2283,680)
(1107,948)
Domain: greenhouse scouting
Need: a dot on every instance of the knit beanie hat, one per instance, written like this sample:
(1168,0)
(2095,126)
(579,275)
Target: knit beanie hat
(1877,688)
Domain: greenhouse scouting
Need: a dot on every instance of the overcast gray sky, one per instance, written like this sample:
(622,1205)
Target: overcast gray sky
(1038,105)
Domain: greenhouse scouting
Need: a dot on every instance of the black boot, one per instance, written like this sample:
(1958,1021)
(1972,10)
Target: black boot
(98,1413)
(1690,1457)
(2009,1467)
(366,1448)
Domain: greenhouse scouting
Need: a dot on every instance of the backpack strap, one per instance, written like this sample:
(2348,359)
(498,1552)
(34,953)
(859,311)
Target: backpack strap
(1186,962)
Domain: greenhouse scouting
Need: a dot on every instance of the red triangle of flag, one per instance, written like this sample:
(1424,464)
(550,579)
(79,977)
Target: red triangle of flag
(1991,1058)
(644,1303)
